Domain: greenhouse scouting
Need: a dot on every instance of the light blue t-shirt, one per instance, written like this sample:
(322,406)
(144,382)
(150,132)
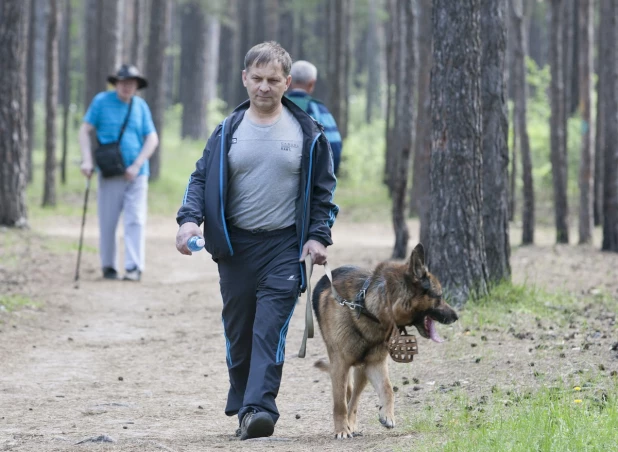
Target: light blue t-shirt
(106,114)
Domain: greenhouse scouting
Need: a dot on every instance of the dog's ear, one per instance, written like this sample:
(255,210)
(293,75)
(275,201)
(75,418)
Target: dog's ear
(417,263)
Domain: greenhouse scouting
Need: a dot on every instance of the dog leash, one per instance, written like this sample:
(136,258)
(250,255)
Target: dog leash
(308,313)
(309,329)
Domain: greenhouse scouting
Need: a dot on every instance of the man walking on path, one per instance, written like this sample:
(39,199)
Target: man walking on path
(264,191)
(120,115)
(304,77)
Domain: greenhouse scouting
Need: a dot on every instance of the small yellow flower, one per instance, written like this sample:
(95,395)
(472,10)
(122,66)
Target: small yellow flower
(578,400)
(577,388)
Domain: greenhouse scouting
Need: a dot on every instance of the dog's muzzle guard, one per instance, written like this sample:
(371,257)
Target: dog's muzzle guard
(402,346)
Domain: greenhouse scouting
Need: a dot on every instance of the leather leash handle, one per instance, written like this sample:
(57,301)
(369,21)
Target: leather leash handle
(308,312)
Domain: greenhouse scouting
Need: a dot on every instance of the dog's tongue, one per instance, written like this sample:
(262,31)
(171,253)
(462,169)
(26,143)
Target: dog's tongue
(431,328)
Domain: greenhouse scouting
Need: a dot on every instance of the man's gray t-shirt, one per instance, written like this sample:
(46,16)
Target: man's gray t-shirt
(264,173)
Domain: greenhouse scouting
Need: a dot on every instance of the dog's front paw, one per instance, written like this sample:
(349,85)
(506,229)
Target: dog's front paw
(387,421)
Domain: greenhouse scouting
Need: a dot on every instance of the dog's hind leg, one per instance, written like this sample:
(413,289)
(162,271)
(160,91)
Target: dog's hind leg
(378,376)
(360,381)
(339,374)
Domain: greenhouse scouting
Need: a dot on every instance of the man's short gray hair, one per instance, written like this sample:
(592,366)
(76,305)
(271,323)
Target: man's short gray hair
(303,72)
(267,52)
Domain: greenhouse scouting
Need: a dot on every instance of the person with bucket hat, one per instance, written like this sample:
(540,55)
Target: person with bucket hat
(126,139)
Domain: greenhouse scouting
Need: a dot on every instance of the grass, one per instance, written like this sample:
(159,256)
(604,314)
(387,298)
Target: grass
(15,302)
(562,418)
(507,300)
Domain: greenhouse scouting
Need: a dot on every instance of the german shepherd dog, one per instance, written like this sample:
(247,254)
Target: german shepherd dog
(396,295)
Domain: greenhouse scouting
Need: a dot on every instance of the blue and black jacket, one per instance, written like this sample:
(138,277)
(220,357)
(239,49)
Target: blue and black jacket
(206,194)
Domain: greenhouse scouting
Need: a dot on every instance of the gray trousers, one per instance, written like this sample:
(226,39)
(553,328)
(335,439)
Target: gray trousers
(117,195)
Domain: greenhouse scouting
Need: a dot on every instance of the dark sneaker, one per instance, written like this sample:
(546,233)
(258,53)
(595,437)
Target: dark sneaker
(238,432)
(133,274)
(256,425)
(110,273)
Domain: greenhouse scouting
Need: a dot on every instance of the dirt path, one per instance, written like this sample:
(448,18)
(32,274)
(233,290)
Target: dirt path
(143,364)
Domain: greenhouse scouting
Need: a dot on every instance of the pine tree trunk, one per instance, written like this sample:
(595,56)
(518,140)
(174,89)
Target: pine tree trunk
(51,106)
(155,94)
(110,41)
(93,83)
(373,65)
(457,246)
(420,196)
(558,122)
(605,55)
(30,73)
(271,20)
(338,66)
(65,86)
(610,182)
(193,55)
(287,35)
(495,140)
(230,61)
(392,33)
(520,88)
(213,34)
(586,168)
(406,112)
(138,30)
(14,27)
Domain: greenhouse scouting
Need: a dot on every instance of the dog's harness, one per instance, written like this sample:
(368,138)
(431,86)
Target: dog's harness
(358,304)
(401,346)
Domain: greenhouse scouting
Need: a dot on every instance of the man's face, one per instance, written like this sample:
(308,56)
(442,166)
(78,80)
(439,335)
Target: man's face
(126,89)
(265,85)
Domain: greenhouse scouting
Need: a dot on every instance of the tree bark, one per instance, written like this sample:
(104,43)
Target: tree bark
(586,168)
(457,245)
(51,106)
(230,62)
(520,88)
(373,65)
(286,33)
(392,33)
(13,172)
(213,34)
(605,58)
(420,197)
(65,86)
(405,110)
(138,30)
(30,94)
(495,138)
(558,122)
(103,44)
(610,182)
(155,94)
(339,65)
(193,55)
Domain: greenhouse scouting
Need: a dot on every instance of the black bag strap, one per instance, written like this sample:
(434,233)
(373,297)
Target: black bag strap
(126,120)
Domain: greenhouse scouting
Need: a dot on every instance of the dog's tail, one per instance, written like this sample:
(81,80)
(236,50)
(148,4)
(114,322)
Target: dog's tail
(322,364)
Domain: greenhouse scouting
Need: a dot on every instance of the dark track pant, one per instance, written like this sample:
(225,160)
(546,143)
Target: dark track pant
(259,286)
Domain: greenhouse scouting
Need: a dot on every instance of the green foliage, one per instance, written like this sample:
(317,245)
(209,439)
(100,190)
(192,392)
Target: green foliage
(360,193)
(13,302)
(558,418)
(522,301)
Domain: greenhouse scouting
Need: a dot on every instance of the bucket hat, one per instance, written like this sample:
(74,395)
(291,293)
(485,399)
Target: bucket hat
(127,72)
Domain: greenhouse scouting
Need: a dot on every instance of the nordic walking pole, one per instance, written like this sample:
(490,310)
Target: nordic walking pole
(81,235)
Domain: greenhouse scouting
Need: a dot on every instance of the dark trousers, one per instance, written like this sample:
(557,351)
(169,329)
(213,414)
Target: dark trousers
(259,286)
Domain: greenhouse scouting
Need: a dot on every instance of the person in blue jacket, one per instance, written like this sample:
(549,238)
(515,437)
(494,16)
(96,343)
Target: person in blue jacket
(304,77)
(126,194)
(263,192)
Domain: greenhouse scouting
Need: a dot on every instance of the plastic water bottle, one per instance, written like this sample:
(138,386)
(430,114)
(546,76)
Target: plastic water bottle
(195,243)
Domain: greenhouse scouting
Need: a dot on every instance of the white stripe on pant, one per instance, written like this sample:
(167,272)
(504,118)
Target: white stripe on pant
(116,195)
